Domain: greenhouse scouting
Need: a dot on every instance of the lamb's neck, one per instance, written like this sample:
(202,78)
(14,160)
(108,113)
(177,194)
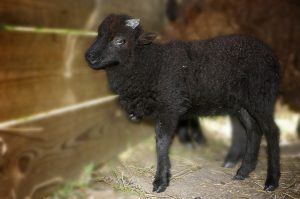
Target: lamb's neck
(139,76)
(126,80)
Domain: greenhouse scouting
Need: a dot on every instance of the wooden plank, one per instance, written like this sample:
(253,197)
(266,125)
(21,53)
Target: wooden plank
(42,72)
(79,14)
(46,13)
(26,97)
(29,55)
(36,161)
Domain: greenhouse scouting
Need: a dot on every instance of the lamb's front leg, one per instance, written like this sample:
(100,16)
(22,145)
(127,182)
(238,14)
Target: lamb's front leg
(164,129)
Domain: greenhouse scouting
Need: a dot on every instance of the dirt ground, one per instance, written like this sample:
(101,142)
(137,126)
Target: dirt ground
(196,173)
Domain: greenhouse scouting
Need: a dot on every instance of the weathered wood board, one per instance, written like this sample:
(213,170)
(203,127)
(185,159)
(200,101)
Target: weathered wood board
(79,14)
(38,73)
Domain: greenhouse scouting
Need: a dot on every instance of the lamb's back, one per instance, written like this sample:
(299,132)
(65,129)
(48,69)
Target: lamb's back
(221,71)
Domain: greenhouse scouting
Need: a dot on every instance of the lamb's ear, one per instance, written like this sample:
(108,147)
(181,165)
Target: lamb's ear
(146,38)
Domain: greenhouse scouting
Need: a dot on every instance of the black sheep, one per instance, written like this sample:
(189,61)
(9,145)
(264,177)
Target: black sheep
(235,75)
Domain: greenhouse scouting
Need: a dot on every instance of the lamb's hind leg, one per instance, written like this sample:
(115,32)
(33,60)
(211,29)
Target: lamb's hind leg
(253,143)
(271,132)
(238,143)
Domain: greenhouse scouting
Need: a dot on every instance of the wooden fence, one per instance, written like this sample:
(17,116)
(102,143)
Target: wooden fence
(55,113)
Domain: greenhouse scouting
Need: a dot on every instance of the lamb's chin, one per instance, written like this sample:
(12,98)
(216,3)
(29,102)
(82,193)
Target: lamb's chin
(104,65)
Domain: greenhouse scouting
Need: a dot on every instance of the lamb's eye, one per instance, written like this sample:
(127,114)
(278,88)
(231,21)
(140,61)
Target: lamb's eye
(119,41)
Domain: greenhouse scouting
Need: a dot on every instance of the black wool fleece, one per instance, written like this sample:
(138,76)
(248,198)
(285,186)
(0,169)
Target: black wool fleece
(234,75)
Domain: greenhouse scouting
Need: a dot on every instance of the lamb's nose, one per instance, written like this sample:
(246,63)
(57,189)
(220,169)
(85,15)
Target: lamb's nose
(90,58)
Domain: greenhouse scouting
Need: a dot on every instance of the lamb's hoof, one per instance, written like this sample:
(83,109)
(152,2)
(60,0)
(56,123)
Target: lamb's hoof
(270,187)
(160,185)
(238,177)
(229,164)
(271,184)
(158,188)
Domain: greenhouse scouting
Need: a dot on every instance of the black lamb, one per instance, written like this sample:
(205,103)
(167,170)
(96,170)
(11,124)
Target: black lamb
(228,75)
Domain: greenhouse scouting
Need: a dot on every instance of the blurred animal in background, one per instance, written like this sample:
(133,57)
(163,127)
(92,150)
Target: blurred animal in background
(189,131)
(228,75)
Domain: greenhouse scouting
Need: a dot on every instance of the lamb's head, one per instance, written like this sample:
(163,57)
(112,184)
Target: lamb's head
(118,36)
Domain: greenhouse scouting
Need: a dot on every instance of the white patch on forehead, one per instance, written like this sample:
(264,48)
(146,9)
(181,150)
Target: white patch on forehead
(133,23)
